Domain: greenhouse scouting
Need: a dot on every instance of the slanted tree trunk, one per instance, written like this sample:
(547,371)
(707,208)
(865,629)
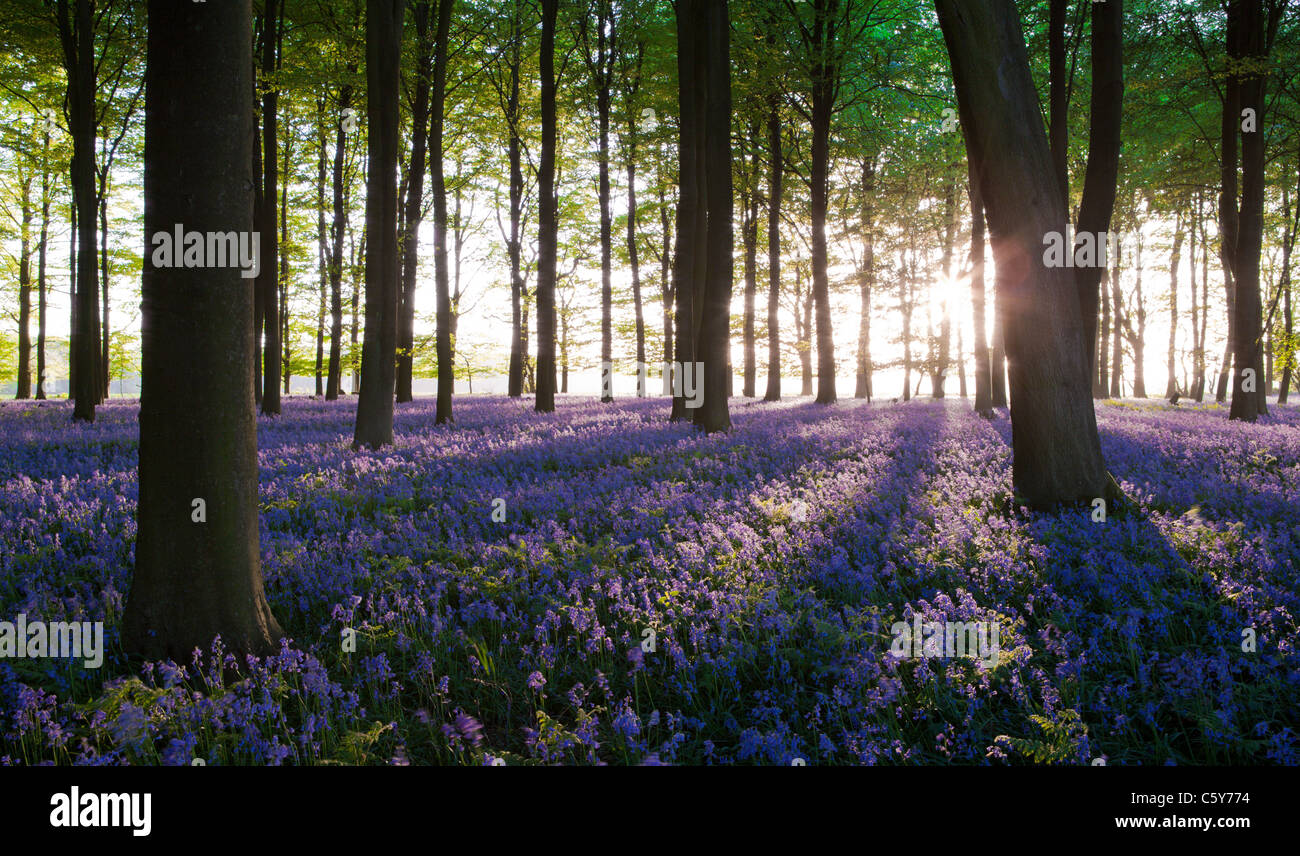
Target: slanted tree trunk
(1056,449)
(379,348)
(197,564)
(547,223)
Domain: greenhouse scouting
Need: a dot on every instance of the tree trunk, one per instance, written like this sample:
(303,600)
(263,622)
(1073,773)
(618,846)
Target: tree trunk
(1117,335)
(825,81)
(519,334)
(25,292)
(633,256)
(1056,449)
(413,214)
(983,373)
(268,277)
(715,321)
(1058,97)
(77,37)
(1248,401)
(446,370)
(944,360)
(321,248)
(41,251)
(1102,171)
(1175,258)
(197,568)
(775,174)
(340,225)
(1288,244)
(866,277)
(692,200)
(379,349)
(547,225)
(749,239)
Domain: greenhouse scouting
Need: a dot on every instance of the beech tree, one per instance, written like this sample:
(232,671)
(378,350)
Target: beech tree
(197,564)
(379,348)
(1056,448)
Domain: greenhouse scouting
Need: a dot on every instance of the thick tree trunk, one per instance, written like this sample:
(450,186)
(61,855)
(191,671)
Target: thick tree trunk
(547,224)
(379,348)
(1056,449)
(197,566)
(1248,401)
(692,200)
(715,321)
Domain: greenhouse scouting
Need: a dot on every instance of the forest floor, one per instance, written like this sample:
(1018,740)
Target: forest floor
(654,595)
